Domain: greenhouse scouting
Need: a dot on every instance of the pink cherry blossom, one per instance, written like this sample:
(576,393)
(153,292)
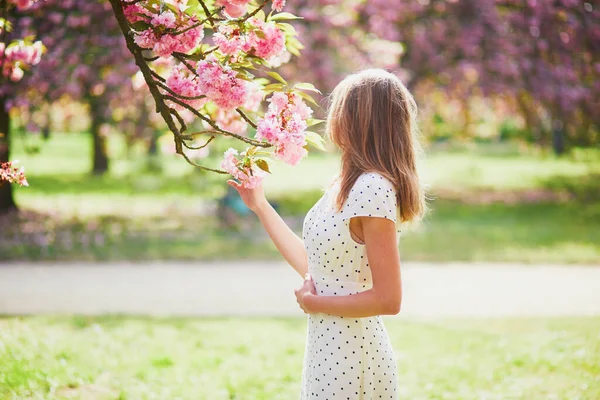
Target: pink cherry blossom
(231,40)
(271,42)
(278,5)
(249,178)
(11,174)
(166,19)
(284,126)
(183,82)
(220,84)
(168,33)
(20,55)
(234,8)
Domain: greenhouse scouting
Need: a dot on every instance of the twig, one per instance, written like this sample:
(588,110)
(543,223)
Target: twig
(157,76)
(210,139)
(180,119)
(246,118)
(181,57)
(218,171)
(253,13)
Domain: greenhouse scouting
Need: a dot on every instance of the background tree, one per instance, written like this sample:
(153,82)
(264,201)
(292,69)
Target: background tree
(540,56)
(17,54)
(87,60)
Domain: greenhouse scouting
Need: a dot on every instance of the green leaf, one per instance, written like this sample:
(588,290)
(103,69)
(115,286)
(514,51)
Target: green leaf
(262,164)
(274,87)
(275,75)
(283,16)
(140,25)
(307,86)
(315,140)
(314,121)
(287,28)
(308,98)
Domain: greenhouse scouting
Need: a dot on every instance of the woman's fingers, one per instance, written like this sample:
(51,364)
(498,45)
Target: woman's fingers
(233,184)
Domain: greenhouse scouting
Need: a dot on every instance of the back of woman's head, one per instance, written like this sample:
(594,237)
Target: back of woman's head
(372,119)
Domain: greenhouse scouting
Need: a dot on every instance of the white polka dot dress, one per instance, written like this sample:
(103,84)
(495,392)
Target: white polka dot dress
(346,358)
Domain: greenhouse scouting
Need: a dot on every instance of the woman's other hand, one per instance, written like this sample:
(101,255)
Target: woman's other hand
(307,289)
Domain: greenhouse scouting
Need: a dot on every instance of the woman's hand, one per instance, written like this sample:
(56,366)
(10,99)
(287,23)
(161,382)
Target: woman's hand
(307,289)
(253,198)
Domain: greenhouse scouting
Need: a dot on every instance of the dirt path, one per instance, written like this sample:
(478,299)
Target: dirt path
(267,289)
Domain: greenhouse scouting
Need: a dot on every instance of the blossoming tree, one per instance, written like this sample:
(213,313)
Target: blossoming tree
(212,62)
(17,54)
(88,62)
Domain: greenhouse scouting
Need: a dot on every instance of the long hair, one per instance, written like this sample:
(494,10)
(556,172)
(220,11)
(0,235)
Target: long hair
(372,119)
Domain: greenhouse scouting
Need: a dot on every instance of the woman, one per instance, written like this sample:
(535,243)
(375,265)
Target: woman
(349,250)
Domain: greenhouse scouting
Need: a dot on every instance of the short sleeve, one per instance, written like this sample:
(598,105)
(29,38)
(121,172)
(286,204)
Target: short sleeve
(372,195)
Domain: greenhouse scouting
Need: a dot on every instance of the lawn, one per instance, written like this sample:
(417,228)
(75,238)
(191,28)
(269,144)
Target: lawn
(261,358)
(491,203)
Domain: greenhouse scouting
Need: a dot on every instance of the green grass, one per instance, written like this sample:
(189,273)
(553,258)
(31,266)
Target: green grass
(491,205)
(261,358)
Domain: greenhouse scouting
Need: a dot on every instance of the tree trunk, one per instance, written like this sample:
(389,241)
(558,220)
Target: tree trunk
(7,201)
(99,152)
(558,137)
(48,123)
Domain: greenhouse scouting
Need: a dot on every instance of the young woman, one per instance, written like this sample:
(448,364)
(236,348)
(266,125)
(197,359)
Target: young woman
(348,254)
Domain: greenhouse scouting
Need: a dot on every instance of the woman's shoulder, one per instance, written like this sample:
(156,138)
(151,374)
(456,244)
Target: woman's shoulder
(373,181)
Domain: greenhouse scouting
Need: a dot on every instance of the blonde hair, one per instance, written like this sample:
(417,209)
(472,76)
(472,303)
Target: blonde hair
(372,119)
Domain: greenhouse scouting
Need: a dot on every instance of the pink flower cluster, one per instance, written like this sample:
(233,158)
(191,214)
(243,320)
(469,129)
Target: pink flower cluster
(220,84)
(183,82)
(267,44)
(167,32)
(234,8)
(12,174)
(284,126)
(250,178)
(17,56)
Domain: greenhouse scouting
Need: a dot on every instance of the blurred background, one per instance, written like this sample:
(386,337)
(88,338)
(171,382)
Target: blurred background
(509,97)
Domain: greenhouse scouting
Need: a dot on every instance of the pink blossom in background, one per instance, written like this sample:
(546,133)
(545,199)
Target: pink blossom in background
(231,121)
(220,84)
(20,55)
(22,4)
(11,174)
(249,180)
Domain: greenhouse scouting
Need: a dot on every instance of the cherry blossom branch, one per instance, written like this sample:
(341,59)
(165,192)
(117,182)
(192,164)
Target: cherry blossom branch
(147,73)
(215,126)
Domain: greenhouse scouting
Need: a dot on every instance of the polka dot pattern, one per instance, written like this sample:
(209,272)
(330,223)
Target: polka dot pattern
(346,358)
